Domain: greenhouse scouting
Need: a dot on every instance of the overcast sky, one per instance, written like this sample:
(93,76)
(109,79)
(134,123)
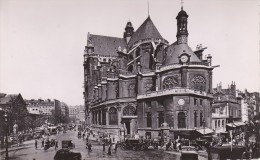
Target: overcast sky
(42,41)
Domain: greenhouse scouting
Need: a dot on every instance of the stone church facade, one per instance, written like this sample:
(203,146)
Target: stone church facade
(136,83)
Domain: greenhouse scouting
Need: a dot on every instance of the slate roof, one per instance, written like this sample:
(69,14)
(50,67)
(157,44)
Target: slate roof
(175,50)
(107,46)
(146,30)
(7,98)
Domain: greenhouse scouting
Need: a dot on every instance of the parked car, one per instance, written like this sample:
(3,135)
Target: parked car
(66,154)
(67,144)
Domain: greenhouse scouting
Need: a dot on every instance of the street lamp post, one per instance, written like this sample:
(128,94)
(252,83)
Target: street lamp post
(6,136)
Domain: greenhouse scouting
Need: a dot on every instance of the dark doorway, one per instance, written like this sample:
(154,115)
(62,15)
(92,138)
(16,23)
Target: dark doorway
(127,125)
(126,122)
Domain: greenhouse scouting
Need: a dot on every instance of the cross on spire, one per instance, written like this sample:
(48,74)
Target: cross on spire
(181,4)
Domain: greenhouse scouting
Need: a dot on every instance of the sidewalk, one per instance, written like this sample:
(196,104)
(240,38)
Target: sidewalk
(16,147)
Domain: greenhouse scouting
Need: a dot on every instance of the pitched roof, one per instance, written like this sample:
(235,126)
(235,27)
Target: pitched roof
(7,98)
(107,46)
(146,30)
(175,50)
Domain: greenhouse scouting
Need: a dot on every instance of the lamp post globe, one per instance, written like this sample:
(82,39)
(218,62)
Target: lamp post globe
(5,118)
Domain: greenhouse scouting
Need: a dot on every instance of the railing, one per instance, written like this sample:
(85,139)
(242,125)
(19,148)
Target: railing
(173,91)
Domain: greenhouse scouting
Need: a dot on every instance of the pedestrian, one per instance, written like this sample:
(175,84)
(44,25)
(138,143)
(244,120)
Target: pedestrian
(42,142)
(36,144)
(114,139)
(83,135)
(104,146)
(89,147)
(110,141)
(109,150)
(56,144)
(115,147)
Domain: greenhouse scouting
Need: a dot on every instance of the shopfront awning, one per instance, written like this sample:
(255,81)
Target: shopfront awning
(239,123)
(205,131)
(231,125)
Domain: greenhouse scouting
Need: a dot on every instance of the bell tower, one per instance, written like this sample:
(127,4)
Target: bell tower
(129,30)
(182,31)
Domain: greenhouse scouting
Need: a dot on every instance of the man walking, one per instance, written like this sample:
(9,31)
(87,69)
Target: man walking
(109,150)
(42,142)
(104,145)
(35,143)
(56,144)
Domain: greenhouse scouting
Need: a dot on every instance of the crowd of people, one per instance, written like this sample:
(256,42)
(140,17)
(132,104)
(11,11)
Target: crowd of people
(109,142)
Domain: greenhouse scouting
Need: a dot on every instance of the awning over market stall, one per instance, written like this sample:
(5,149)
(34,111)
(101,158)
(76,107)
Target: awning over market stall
(231,125)
(239,123)
(205,131)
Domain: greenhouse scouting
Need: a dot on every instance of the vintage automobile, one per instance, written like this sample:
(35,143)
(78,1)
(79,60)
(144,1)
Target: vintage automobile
(134,144)
(66,154)
(189,152)
(67,144)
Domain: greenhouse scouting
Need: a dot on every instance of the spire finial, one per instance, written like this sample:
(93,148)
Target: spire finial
(181,4)
(148,9)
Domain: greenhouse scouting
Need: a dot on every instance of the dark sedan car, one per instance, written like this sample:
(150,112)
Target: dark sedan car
(66,154)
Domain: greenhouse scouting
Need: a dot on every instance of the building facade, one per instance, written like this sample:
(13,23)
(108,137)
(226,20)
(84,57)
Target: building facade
(135,84)
(226,109)
(41,107)
(77,113)
(250,105)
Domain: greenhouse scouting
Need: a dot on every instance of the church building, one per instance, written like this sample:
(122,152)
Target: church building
(141,84)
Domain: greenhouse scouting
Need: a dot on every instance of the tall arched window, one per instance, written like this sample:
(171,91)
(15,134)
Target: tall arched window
(129,111)
(198,83)
(181,120)
(222,123)
(170,82)
(113,120)
(218,123)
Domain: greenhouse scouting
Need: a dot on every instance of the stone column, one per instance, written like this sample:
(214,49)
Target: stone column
(119,114)
(107,116)
(210,82)
(158,82)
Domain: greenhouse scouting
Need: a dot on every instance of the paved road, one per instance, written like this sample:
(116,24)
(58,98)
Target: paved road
(28,151)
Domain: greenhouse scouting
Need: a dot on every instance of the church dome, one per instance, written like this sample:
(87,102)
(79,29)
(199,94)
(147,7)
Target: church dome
(182,13)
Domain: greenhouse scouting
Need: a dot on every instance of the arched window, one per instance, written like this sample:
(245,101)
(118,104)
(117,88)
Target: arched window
(160,118)
(113,116)
(198,83)
(222,123)
(181,120)
(129,111)
(170,82)
(218,123)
